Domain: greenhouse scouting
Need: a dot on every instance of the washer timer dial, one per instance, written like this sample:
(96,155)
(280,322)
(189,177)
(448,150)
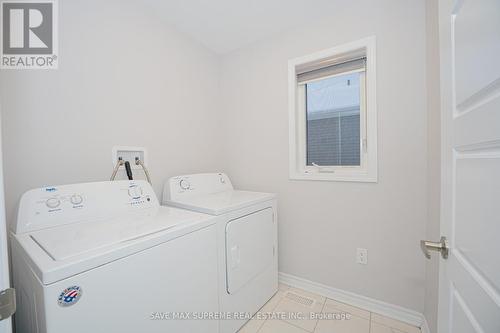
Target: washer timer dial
(135,192)
(76,199)
(184,184)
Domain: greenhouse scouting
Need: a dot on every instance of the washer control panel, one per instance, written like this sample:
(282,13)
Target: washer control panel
(186,186)
(56,205)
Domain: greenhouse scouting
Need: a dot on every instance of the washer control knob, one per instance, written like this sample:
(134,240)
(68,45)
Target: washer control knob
(53,202)
(184,184)
(76,199)
(135,191)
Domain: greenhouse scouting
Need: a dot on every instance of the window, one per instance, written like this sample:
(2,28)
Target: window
(333,120)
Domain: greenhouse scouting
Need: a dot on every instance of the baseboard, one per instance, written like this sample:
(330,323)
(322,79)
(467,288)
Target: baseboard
(425,326)
(386,309)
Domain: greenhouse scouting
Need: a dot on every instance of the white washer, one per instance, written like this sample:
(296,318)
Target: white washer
(105,257)
(247,238)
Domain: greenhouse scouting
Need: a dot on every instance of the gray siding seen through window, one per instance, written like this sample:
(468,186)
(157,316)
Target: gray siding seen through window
(333,121)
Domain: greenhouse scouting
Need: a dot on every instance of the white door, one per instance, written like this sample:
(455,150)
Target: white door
(469,299)
(6,324)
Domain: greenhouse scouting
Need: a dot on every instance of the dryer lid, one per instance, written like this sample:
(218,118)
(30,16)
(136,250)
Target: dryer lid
(221,202)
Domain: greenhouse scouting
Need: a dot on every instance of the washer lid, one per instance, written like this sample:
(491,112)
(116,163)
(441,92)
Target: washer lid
(221,202)
(71,240)
(63,251)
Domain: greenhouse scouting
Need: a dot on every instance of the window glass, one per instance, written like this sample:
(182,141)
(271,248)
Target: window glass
(333,121)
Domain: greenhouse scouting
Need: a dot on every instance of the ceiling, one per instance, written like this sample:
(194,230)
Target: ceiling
(226,25)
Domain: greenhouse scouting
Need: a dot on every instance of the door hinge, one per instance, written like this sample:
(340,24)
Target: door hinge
(7,303)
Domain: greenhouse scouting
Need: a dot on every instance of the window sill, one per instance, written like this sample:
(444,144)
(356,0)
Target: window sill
(334,176)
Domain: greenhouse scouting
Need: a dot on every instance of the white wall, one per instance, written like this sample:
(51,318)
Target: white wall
(433,160)
(124,78)
(322,223)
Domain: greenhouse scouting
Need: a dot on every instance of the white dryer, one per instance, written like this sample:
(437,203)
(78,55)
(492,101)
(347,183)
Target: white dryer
(247,239)
(105,257)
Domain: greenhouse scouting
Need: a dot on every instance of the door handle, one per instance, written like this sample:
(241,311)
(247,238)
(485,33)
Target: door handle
(235,257)
(441,246)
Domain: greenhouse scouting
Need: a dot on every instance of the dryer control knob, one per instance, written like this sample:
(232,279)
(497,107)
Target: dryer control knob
(184,184)
(53,202)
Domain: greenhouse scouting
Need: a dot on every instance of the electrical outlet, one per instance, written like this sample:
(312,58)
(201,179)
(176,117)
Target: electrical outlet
(129,154)
(362,256)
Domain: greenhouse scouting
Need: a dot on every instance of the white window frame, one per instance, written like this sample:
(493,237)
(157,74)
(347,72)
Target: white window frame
(367,170)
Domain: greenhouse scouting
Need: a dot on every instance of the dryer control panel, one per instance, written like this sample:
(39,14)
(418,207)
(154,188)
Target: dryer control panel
(56,205)
(182,187)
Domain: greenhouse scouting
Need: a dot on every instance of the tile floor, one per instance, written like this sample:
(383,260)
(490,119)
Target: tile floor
(289,312)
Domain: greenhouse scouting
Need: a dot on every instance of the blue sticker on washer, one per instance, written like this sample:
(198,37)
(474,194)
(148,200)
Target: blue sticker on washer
(70,296)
